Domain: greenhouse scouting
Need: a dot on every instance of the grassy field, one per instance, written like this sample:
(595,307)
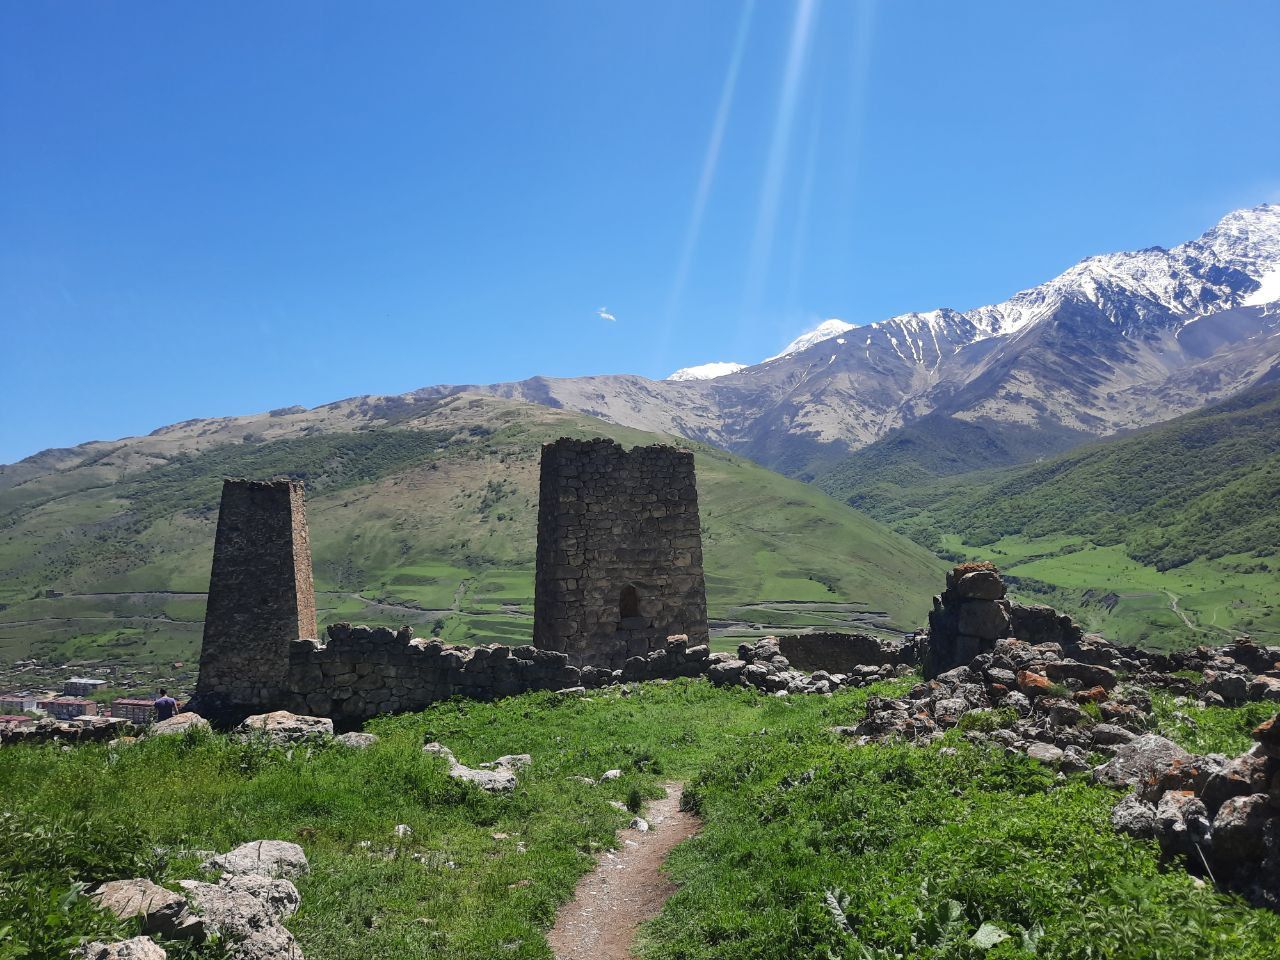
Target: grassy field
(428,521)
(811,848)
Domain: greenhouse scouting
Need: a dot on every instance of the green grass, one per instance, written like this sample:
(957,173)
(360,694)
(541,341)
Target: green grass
(811,848)
(1210,729)
(903,852)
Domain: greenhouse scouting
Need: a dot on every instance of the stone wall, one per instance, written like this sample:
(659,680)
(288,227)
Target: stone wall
(365,671)
(260,595)
(844,652)
(619,565)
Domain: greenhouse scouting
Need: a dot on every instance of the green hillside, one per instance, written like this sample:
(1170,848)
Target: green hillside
(1164,536)
(428,520)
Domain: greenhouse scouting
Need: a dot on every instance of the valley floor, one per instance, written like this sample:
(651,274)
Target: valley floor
(811,847)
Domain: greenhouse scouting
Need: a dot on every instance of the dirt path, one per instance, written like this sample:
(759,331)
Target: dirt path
(625,889)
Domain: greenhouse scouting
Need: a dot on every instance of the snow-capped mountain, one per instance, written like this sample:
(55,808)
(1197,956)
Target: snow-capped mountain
(1115,342)
(708,371)
(826,330)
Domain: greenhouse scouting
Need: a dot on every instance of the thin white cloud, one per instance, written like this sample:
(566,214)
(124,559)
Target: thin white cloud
(604,314)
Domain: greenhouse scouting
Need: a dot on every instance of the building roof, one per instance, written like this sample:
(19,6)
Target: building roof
(132,702)
(84,680)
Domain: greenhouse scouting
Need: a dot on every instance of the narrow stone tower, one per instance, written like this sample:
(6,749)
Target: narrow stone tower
(261,596)
(619,551)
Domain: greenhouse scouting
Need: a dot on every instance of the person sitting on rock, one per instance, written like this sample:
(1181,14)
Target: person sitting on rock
(165,705)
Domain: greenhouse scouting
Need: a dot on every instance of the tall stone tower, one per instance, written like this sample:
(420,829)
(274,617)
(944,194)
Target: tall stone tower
(261,596)
(619,551)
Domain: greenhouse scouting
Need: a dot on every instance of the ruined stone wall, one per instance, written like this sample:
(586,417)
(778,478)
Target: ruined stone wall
(844,652)
(365,671)
(619,565)
(260,594)
(967,618)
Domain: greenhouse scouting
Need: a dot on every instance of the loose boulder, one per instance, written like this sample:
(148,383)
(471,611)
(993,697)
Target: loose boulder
(1239,831)
(177,724)
(282,727)
(1138,760)
(138,948)
(248,914)
(161,911)
(1134,816)
(266,858)
(497,776)
(356,741)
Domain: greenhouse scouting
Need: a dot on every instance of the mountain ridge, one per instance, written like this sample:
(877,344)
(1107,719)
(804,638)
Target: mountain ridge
(1115,342)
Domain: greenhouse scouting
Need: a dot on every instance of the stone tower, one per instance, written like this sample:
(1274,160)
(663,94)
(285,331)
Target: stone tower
(619,551)
(260,596)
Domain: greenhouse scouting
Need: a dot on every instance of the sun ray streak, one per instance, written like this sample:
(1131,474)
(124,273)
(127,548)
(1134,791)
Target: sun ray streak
(779,149)
(711,159)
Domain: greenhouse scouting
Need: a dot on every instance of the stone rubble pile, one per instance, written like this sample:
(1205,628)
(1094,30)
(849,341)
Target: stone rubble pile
(1054,693)
(1027,698)
(1221,814)
(245,909)
(1230,675)
(762,665)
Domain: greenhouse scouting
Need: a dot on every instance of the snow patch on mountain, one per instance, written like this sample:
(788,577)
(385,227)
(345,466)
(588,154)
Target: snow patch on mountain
(1142,290)
(823,331)
(1268,290)
(708,371)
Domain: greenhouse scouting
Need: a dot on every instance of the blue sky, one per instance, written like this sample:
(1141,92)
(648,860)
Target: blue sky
(219,208)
